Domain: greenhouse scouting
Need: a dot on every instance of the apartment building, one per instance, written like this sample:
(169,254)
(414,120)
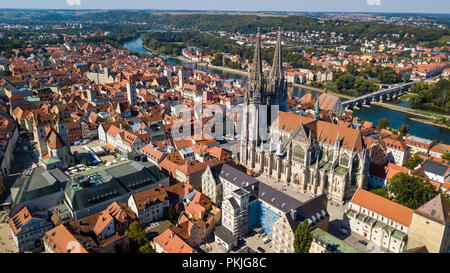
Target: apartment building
(439,149)
(418,145)
(211,184)
(379,220)
(396,149)
(169,242)
(28,229)
(314,211)
(149,205)
(235,212)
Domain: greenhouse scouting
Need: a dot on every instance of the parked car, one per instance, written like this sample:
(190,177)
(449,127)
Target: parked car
(363,242)
(260,249)
(266,240)
(343,231)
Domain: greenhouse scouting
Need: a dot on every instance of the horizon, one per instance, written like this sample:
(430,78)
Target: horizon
(221,11)
(251,6)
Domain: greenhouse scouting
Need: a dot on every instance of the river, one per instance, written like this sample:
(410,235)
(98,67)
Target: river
(372,113)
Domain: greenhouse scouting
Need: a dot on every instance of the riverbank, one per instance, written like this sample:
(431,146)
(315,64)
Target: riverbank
(430,123)
(221,68)
(396,114)
(406,110)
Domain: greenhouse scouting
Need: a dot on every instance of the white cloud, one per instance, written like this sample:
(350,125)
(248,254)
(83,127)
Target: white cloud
(374,2)
(73,2)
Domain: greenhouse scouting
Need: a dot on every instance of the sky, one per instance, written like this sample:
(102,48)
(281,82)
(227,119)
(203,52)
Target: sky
(417,6)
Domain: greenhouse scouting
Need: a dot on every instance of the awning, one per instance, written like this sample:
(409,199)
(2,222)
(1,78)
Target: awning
(111,147)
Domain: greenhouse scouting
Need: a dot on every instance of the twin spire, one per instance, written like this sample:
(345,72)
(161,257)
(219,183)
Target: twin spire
(256,78)
(277,66)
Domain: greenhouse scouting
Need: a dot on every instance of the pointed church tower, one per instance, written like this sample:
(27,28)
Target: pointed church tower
(277,87)
(255,87)
(254,96)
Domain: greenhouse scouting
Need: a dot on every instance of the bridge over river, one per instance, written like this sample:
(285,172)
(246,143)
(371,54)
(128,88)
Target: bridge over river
(381,95)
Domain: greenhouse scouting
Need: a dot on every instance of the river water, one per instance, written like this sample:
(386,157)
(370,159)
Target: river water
(372,113)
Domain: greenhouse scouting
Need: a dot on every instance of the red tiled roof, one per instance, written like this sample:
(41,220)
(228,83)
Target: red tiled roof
(383,206)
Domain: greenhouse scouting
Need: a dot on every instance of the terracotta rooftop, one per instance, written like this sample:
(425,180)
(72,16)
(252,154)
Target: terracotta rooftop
(383,206)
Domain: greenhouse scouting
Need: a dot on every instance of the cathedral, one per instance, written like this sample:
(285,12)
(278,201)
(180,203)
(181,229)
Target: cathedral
(313,155)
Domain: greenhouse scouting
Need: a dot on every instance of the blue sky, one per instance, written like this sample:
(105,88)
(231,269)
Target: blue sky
(426,6)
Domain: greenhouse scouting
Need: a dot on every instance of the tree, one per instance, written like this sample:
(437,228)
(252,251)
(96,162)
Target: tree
(413,162)
(403,130)
(410,191)
(147,248)
(125,126)
(446,156)
(446,197)
(302,238)
(380,192)
(383,123)
(217,60)
(136,235)
(172,215)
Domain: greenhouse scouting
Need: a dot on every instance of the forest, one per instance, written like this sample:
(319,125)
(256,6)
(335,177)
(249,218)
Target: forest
(171,43)
(433,97)
(247,23)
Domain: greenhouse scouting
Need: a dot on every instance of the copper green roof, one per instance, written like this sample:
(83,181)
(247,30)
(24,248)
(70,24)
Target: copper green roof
(341,170)
(398,234)
(370,220)
(106,183)
(379,224)
(325,166)
(51,160)
(361,216)
(388,229)
(332,243)
(351,212)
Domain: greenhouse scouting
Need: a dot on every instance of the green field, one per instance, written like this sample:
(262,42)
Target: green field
(444,39)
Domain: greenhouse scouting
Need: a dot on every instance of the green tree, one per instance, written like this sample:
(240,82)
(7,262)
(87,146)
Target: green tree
(403,130)
(410,191)
(446,156)
(147,248)
(413,162)
(302,238)
(125,126)
(446,197)
(172,215)
(383,123)
(217,60)
(136,235)
(380,192)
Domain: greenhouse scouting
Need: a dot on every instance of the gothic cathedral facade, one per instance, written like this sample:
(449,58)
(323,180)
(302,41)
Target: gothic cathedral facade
(313,155)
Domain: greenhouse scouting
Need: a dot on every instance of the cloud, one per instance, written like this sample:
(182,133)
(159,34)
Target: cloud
(73,2)
(374,2)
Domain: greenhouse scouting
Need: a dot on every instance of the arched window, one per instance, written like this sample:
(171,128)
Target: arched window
(313,154)
(299,152)
(343,161)
(355,164)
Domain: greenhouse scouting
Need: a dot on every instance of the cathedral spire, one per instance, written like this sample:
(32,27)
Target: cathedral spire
(256,79)
(257,64)
(277,66)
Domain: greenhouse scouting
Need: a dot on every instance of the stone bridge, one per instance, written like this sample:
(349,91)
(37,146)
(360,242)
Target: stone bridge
(378,96)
